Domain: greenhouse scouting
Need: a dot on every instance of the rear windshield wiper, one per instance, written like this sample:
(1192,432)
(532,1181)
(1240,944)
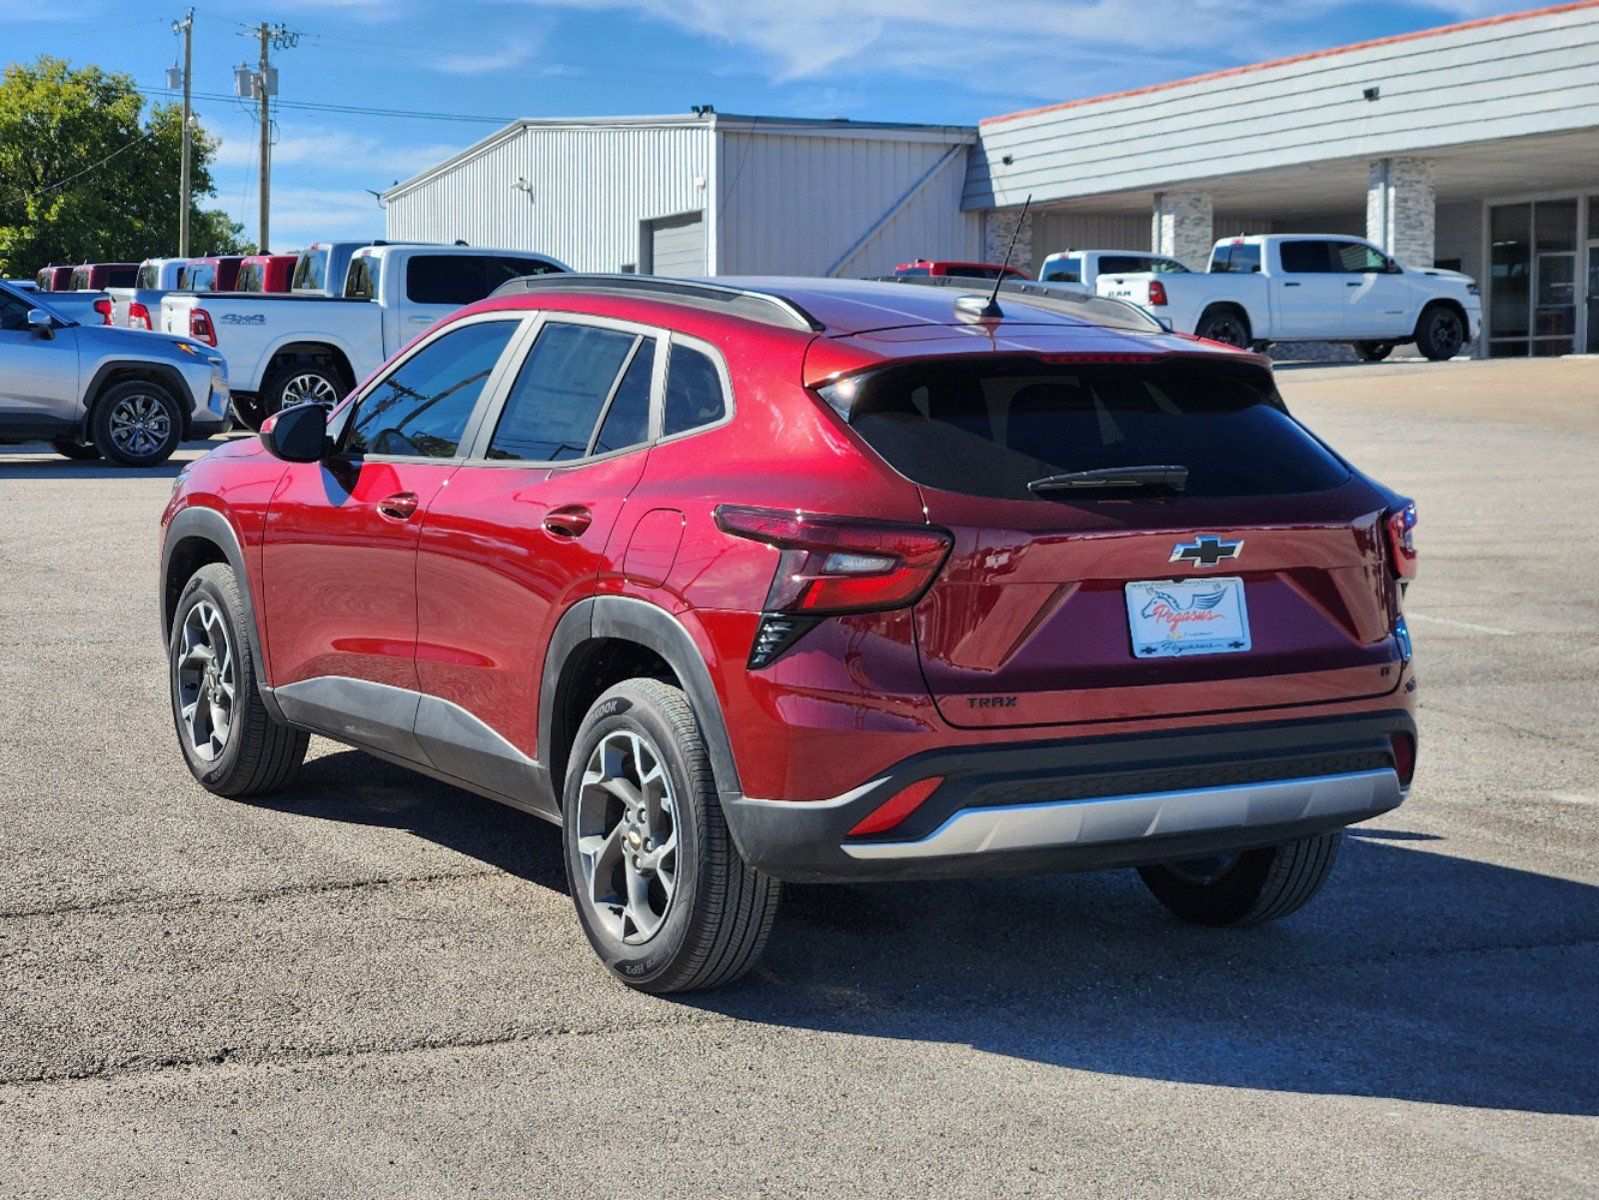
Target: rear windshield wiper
(1168,479)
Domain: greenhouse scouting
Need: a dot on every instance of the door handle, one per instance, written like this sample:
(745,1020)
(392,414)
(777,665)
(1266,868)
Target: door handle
(1290,283)
(398,507)
(568,521)
(1352,282)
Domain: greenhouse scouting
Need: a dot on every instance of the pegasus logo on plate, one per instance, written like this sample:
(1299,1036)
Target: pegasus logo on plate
(1205,551)
(1174,613)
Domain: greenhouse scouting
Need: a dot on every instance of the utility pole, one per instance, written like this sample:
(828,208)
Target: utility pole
(186,28)
(262,84)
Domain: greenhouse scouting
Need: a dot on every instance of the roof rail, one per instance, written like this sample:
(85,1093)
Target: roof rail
(1096,310)
(741,302)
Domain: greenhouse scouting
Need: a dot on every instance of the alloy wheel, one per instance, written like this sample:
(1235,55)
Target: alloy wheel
(140,425)
(1447,333)
(207,681)
(627,837)
(308,388)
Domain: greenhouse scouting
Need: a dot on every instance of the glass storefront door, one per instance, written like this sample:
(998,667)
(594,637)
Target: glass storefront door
(1534,274)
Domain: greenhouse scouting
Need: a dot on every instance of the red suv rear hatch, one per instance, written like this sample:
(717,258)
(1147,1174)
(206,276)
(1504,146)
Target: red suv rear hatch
(1187,510)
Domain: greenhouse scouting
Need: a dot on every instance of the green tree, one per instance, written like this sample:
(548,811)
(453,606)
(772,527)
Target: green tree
(86,175)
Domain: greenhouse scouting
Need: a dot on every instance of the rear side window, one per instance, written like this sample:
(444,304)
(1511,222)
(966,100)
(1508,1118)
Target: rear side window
(693,391)
(1308,258)
(559,393)
(989,428)
(500,270)
(362,281)
(420,409)
(310,272)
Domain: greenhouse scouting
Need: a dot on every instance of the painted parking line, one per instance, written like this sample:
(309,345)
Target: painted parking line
(1493,629)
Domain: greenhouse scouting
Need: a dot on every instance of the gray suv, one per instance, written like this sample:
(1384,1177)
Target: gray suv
(93,390)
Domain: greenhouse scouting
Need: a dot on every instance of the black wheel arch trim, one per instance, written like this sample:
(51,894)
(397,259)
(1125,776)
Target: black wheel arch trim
(628,619)
(212,526)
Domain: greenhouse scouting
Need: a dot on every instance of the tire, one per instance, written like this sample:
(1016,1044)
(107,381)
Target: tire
(1373,351)
(136,423)
(700,922)
(1251,888)
(1225,325)
(255,755)
(77,451)
(1440,333)
(299,381)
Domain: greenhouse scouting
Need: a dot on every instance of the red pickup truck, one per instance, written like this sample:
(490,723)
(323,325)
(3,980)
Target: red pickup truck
(270,273)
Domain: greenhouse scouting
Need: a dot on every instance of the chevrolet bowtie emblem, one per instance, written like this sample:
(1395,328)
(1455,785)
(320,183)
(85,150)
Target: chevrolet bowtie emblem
(1205,551)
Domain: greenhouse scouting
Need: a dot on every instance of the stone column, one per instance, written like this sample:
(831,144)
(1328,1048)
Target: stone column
(997,229)
(1401,209)
(1182,226)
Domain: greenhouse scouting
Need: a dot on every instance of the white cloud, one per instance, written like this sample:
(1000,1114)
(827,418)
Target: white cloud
(338,152)
(486,62)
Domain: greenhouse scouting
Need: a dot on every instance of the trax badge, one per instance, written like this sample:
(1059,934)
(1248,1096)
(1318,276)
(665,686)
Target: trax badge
(1205,551)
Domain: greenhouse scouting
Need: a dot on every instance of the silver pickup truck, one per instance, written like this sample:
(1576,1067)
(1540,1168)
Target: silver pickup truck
(289,349)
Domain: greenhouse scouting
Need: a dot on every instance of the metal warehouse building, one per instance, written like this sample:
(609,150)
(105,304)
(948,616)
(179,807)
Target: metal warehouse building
(707,193)
(1473,146)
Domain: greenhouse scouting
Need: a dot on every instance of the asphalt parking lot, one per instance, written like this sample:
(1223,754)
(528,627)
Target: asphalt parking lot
(374,985)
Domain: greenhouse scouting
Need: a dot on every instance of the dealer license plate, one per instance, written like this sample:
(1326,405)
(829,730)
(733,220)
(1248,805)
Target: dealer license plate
(1171,617)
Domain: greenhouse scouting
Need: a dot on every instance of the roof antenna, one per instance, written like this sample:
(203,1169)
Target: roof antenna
(974,309)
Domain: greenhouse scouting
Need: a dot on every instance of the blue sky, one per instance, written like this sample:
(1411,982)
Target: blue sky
(952,61)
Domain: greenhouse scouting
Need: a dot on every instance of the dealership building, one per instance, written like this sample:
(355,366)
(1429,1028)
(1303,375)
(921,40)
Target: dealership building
(1474,147)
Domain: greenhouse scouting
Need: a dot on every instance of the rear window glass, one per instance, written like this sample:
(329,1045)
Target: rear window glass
(251,278)
(146,277)
(1242,259)
(311,271)
(80,279)
(362,281)
(988,429)
(1064,270)
(197,279)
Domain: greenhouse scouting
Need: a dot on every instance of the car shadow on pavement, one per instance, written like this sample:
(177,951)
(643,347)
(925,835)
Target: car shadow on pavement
(1416,975)
(52,469)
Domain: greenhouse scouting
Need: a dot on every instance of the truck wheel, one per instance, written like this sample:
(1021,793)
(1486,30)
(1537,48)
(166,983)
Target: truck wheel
(1245,889)
(300,381)
(230,743)
(660,889)
(81,451)
(1373,351)
(1225,325)
(136,423)
(1440,333)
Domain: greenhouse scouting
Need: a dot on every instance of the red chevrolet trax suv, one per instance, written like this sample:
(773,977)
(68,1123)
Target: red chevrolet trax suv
(812,580)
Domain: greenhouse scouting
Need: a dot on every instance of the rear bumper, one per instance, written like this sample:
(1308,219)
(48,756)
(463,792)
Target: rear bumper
(1042,807)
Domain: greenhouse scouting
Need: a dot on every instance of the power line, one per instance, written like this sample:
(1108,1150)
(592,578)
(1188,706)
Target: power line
(356,110)
(61,183)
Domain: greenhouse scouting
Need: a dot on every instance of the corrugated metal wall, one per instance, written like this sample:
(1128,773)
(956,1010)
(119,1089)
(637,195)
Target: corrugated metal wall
(794,204)
(591,189)
(1514,77)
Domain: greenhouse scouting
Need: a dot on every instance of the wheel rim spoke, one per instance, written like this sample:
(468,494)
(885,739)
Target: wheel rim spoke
(627,837)
(205,681)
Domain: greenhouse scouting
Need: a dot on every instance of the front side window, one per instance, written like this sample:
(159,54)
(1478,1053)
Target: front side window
(362,281)
(559,393)
(1357,258)
(13,312)
(1308,258)
(693,391)
(421,409)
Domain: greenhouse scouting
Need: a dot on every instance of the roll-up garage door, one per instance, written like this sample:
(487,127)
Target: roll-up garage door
(677,245)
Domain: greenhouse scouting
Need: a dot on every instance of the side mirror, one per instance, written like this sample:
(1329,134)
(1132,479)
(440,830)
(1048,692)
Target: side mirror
(39,321)
(298,434)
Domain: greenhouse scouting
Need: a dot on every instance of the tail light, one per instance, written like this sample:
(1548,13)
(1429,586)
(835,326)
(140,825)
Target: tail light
(200,327)
(103,307)
(1404,747)
(1157,292)
(1401,524)
(139,316)
(830,565)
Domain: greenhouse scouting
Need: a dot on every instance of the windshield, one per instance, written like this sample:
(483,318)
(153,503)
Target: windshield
(311,271)
(990,426)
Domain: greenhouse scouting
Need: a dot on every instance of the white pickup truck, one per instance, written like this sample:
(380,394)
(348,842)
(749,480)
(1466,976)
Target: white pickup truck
(1084,267)
(156,277)
(1310,288)
(285,349)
